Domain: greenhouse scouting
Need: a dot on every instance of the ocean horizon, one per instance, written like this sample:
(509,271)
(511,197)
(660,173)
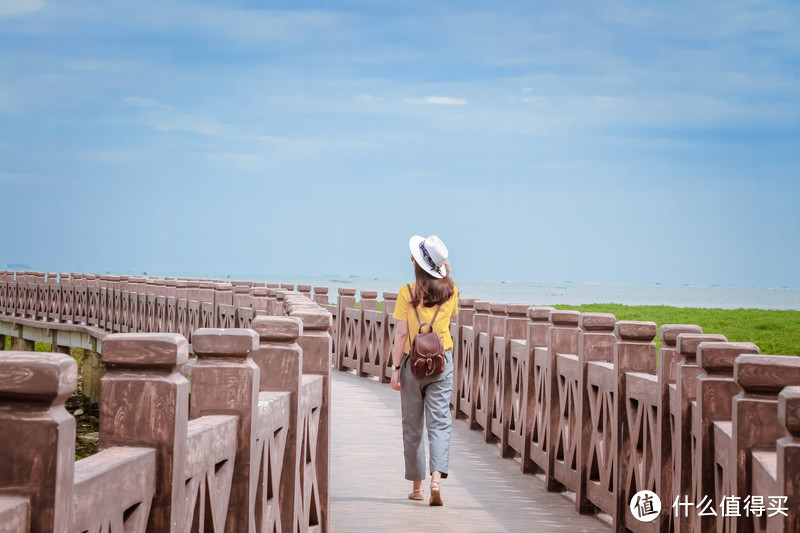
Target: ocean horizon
(565,293)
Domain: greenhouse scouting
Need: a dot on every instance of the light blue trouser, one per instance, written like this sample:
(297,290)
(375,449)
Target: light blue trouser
(426,403)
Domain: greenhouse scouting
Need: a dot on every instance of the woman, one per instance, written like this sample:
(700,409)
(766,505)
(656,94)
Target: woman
(425,401)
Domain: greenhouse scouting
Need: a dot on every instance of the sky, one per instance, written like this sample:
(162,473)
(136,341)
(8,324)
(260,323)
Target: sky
(597,142)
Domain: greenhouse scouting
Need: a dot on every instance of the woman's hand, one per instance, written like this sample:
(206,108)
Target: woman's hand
(447,268)
(396,380)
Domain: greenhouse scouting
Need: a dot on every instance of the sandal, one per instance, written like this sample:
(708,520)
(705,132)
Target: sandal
(436,494)
(417,494)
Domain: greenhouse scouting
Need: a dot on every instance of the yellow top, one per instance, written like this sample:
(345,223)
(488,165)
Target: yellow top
(404,311)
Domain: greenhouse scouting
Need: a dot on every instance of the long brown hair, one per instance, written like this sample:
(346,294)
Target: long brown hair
(430,291)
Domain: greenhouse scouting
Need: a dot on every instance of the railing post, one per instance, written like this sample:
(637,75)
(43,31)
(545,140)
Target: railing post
(281,361)
(367,354)
(634,352)
(595,343)
(755,417)
(788,451)
(715,391)
(316,345)
(225,380)
(321,295)
(144,402)
(667,372)
(37,435)
(260,302)
(280,296)
(305,290)
(686,372)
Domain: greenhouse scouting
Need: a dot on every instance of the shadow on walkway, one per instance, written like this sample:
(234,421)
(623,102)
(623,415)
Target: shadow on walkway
(484,492)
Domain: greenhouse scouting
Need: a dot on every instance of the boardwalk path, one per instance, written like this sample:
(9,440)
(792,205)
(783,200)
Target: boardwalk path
(484,493)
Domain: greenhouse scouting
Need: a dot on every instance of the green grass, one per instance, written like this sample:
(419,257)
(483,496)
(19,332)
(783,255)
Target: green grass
(75,353)
(775,332)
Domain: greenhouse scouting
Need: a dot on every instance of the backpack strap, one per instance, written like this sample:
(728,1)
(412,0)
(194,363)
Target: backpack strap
(438,307)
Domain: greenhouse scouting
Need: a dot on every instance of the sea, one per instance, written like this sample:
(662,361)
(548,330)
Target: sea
(563,293)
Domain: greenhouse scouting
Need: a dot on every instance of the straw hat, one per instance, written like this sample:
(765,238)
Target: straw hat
(430,254)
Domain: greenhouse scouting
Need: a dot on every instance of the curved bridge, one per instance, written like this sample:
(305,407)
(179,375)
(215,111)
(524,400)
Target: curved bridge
(215,415)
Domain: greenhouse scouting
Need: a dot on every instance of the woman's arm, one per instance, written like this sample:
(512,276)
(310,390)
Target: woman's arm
(400,336)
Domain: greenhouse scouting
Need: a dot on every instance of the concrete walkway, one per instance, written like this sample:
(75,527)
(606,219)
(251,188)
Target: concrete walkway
(484,493)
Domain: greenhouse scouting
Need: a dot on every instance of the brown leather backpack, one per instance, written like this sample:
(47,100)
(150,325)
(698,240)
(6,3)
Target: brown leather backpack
(427,351)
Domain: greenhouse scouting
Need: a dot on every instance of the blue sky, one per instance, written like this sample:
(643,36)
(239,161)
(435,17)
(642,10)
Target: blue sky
(611,142)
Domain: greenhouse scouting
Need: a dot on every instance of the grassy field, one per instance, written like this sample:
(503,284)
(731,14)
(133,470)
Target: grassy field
(775,332)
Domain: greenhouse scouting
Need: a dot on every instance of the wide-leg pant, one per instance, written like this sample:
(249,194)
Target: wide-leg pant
(426,403)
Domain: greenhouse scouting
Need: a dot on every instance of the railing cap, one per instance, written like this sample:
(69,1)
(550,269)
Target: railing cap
(320,290)
(224,342)
(564,318)
(540,314)
(789,410)
(38,377)
(597,322)
(669,332)
(278,328)
(347,291)
(390,296)
(304,288)
(369,295)
(466,303)
(313,318)
(720,356)
(517,309)
(635,330)
(223,286)
(687,343)
(498,308)
(260,291)
(482,306)
(146,350)
(766,373)
(241,289)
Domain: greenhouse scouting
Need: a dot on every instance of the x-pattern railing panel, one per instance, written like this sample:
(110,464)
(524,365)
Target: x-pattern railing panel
(540,418)
(519,359)
(568,427)
(373,332)
(639,440)
(210,457)
(465,389)
(600,467)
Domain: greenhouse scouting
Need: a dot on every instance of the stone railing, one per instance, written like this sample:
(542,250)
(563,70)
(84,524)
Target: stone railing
(713,431)
(241,445)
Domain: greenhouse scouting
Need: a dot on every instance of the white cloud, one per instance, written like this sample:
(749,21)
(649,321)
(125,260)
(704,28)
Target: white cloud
(436,100)
(10,8)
